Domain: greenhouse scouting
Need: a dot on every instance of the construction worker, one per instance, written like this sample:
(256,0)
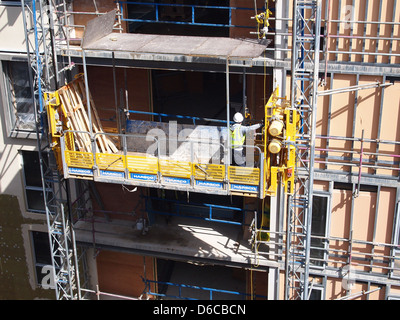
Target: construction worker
(238,138)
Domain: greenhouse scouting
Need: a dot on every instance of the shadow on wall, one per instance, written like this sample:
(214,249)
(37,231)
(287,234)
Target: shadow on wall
(10,169)
(9,15)
(14,274)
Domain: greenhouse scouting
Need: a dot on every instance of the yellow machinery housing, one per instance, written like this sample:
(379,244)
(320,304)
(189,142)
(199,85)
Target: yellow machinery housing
(58,123)
(281,126)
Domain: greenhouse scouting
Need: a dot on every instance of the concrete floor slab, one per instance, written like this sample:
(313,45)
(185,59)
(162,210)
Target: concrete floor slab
(179,45)
(182,238)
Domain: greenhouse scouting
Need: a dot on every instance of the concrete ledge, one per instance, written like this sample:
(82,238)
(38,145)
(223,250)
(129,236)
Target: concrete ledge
(205,241)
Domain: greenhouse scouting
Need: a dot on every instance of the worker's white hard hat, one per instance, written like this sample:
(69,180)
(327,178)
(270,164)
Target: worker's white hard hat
(238,117)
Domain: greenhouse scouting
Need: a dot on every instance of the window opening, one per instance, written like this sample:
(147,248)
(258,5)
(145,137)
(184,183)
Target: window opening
(11,2)
(42,255)
(179,17)
(318,230)
(33,181)
(19,96)
(316,293)
(349,186)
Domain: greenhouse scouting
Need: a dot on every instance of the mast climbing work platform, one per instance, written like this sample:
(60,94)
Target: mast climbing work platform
(85,151)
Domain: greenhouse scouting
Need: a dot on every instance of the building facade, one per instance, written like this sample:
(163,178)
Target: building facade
(182,66)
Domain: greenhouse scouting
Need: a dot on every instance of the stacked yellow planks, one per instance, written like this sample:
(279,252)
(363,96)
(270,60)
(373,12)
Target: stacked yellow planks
(73,98)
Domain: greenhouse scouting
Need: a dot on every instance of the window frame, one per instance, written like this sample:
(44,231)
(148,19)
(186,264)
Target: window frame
(27,187)
(11,129)
(153,14)
(323,265)
(318,288)
(10,2)
(37,264)
(395,252)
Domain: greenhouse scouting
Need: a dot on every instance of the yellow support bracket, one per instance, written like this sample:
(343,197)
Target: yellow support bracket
(287,178)
(52,100)
(56,115)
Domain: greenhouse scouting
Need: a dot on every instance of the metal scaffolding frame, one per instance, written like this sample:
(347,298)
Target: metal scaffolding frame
(43,73)
(296,247)
(304,84)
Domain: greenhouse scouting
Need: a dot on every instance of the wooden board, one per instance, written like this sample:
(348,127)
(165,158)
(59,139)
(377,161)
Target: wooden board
(73,97)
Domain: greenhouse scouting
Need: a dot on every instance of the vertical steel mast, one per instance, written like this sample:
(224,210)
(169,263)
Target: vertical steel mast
(304,84)
(38,18)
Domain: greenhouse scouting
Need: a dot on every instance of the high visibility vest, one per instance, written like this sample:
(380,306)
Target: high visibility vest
(237,138)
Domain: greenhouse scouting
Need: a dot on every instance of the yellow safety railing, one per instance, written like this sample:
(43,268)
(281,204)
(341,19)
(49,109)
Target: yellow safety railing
(79,159)
(174,168)
(135,165)
(244,175)
(142,164)
(211,172)
(167,167)
(110,161)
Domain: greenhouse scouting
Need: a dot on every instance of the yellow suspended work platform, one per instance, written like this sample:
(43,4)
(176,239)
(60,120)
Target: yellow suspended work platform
(84,151)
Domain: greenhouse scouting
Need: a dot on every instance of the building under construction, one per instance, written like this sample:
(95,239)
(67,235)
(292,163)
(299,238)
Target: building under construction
(117,175)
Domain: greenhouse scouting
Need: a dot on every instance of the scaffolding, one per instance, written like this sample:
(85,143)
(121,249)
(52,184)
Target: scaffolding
(43,74)
(304,84)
